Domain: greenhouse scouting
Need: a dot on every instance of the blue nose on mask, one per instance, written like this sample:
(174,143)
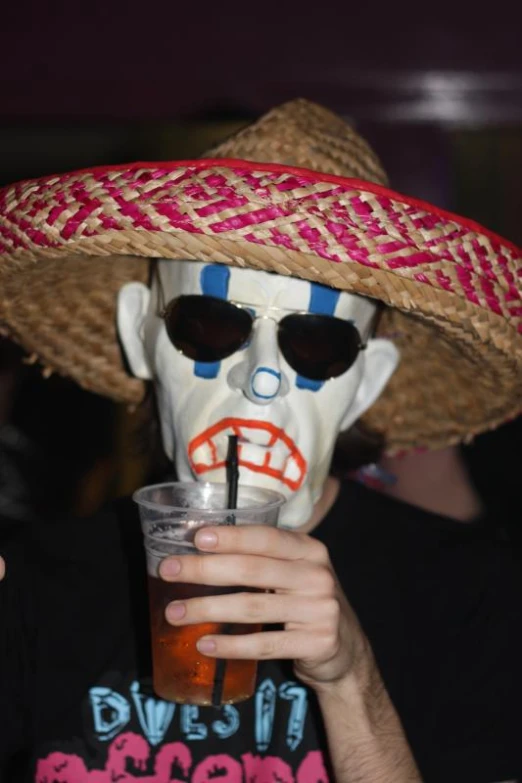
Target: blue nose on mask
(266,383)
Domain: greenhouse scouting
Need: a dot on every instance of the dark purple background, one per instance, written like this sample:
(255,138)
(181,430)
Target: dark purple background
(105,82)
(396,61)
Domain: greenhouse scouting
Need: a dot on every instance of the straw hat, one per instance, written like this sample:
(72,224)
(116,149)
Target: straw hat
(298,193)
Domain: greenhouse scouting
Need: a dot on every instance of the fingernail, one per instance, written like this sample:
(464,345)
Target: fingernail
(170,568)
(206,645)
(205,539)
(175,611)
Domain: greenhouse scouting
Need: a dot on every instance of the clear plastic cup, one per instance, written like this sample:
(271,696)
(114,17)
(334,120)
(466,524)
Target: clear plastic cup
(171,514)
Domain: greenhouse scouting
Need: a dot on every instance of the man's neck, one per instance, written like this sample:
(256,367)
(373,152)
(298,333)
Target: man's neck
(435,481)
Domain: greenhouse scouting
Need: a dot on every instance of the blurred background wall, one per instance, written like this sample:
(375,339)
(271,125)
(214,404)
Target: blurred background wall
(436,89)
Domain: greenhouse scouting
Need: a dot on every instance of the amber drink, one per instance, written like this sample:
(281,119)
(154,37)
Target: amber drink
(170,515)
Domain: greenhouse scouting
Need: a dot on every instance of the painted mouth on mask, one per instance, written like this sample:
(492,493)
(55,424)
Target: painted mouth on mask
(262,448)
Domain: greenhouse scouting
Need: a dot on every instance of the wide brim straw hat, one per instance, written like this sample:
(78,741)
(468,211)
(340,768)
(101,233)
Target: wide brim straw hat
(298,193)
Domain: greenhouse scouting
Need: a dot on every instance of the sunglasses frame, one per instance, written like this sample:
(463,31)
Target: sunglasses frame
(164,309)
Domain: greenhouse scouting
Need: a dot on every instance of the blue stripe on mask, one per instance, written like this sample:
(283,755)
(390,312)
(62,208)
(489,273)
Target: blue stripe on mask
(214,280)
(323,300)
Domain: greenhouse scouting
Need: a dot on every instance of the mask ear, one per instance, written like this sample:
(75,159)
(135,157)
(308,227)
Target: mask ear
(132,308)
(381,358)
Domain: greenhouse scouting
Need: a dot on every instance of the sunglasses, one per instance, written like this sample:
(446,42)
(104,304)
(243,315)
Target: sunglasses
(207,329)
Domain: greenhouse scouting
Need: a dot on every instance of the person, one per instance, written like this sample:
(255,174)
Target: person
(290,294)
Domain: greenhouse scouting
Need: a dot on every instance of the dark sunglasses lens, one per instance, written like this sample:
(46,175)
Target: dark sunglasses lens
(318,346)
(206,329)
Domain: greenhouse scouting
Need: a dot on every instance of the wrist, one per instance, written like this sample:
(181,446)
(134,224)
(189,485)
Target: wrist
(365,735)
(355,682)
(360,693)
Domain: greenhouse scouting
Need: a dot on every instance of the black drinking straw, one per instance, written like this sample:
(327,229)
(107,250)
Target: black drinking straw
(232,476)
(232,480)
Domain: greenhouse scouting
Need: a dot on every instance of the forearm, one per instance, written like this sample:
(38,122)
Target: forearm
(366,740)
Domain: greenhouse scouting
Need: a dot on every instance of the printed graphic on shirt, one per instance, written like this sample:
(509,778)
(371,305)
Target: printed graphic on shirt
(142,738)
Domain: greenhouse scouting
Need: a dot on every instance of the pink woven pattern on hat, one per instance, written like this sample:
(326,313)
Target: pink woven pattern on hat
(336,219)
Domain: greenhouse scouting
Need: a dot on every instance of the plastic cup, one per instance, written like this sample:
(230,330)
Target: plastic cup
(171,514)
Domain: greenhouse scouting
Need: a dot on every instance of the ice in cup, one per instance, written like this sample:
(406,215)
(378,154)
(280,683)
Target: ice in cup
(171,514)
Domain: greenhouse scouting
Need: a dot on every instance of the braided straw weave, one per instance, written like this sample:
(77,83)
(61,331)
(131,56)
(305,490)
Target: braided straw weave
(298,193)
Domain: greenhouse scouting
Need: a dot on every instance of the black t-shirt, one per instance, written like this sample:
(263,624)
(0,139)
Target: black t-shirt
(439,600)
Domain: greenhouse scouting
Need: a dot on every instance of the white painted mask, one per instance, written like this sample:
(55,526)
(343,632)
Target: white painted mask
(286,423)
